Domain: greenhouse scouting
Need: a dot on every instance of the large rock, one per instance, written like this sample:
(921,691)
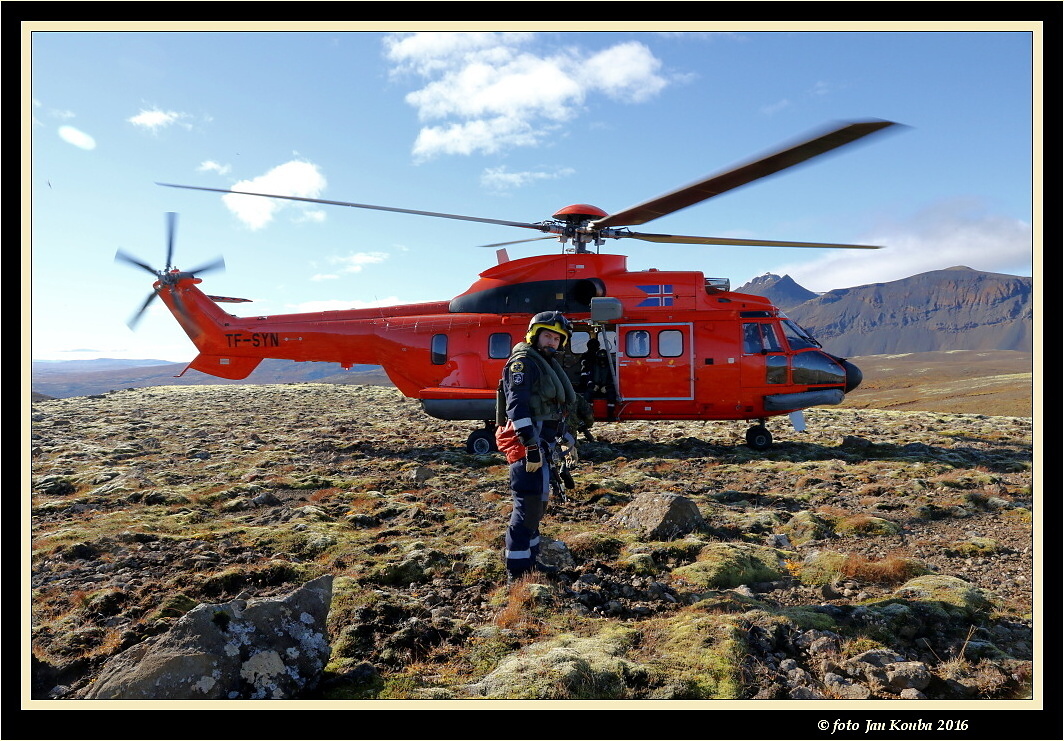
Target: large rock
(259,649)
(660,516)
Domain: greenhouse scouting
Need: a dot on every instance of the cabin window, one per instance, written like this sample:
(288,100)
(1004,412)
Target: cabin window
(578,342)
(499,345)
(439,349)
(760,338)
(776,369)
(670,343)
(637,344)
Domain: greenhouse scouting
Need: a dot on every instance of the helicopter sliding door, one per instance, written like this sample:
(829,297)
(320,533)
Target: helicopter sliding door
(655,362)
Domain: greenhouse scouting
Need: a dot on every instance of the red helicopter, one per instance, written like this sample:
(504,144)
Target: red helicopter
(674,345)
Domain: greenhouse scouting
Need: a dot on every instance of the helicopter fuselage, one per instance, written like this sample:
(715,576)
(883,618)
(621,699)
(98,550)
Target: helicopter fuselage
(679,346)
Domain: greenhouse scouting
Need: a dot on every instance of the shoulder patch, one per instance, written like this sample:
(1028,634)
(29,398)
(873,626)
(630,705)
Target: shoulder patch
(517,378)
(518,366)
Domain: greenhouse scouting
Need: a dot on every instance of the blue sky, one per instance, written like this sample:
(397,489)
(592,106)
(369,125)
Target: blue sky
(508,126)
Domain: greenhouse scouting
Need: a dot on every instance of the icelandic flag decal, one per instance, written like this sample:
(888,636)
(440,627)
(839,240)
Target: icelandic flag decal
(656,295)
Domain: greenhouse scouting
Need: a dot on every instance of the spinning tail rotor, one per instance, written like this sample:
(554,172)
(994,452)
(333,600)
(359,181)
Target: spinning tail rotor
(169,275)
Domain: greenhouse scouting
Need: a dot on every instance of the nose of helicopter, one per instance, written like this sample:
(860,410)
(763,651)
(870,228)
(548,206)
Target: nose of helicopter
(853,375)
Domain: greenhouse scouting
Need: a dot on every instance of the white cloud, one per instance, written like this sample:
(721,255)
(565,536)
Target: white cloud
(499,178)
(156,119)
(296,178)
(78,138)
(485,92)
(947,234)
(352,263)
(772,109)
(315,215)
(627,72)
(428,52)
(212,166)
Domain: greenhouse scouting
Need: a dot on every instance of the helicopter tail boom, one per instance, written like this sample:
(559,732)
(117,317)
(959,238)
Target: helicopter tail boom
(232,347)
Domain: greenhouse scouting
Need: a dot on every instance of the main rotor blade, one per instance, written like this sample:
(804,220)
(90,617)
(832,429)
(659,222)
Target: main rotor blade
(121,256)
(677,239)
(742,175)
(516,241)
(436,214)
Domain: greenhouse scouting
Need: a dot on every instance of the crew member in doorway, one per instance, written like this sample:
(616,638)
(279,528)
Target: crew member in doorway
(596,378)
(534,397)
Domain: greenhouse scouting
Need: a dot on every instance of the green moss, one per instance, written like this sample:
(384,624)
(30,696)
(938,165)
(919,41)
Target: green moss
(592,545)
(701,655)
(172,607)
(640,564)
(866,525)
(569,667)
(1019,513)
(723,565)
(975,546)
(951,593)
(808,618)
(806,526)
(823,567)
(233,580)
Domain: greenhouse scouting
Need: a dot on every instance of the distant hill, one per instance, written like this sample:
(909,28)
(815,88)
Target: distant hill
(63,379)
(942,310)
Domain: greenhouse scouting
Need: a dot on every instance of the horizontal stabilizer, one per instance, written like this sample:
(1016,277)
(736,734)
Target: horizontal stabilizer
(223,366)
(229,300)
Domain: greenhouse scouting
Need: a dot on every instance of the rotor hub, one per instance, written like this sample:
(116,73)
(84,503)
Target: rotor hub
(578,213)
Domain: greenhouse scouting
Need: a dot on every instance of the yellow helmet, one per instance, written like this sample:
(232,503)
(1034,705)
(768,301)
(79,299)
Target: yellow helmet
(555,321)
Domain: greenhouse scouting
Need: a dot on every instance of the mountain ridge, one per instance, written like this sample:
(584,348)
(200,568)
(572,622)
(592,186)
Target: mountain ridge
(955,308)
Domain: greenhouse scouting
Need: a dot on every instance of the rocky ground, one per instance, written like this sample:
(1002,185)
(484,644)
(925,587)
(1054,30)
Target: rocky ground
(879,555)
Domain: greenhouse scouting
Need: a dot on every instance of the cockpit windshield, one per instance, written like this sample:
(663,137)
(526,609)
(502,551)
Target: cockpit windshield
(797,337)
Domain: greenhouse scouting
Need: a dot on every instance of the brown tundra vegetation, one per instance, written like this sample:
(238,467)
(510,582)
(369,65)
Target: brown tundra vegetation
(880,555)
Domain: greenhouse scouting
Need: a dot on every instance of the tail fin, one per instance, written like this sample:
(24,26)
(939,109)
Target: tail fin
(223,366)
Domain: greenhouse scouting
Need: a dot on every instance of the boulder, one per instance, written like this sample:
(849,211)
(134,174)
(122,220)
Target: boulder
(660,516)
(239,650)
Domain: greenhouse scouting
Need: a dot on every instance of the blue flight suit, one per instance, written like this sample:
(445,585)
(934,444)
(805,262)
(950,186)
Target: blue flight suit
(523,393)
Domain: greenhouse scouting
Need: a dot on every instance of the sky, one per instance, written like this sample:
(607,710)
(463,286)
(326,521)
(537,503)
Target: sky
(506,125)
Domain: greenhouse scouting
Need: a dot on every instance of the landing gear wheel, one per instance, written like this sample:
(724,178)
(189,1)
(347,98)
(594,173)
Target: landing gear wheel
(481,442)
(759,438)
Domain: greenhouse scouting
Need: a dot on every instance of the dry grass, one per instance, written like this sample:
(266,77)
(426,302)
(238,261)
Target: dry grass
(117,537)
(889,570)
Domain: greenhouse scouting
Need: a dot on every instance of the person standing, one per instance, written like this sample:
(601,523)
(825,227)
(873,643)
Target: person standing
(535,395)
(597,378)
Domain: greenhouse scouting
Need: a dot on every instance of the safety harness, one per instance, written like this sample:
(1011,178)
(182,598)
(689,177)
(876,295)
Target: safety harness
(551,398)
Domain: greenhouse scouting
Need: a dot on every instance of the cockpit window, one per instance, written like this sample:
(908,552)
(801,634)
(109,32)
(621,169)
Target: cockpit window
(760,337)
(797,337)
